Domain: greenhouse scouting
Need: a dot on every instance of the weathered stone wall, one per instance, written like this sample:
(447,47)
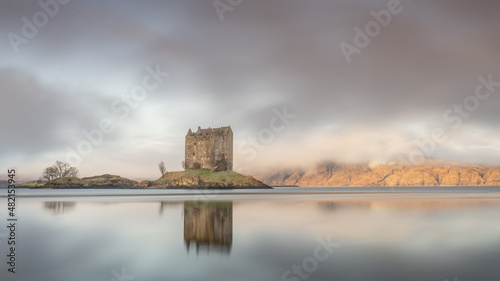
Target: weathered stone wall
(208,148)
(224,148)
(200,149)
(229,150)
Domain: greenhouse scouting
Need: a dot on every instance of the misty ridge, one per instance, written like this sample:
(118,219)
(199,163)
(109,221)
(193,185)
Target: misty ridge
(429,172)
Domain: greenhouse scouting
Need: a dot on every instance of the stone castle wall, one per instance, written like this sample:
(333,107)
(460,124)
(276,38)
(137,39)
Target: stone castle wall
(208,146)
(200,149)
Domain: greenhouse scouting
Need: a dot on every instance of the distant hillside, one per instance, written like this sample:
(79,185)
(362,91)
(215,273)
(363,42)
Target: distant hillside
(433,172)
(3,183)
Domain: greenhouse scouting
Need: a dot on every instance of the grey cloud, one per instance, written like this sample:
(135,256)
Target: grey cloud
(42,118)
(264,55)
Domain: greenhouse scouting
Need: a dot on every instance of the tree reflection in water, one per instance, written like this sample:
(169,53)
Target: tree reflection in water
(59,207)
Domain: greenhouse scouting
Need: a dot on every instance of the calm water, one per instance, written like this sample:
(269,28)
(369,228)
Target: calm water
(285,234)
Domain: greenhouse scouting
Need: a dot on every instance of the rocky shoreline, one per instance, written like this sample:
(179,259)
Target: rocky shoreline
(192,179)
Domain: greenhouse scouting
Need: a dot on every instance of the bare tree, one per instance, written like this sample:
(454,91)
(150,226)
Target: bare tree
(59,170)
(65,170)
(162,168)
(49,174)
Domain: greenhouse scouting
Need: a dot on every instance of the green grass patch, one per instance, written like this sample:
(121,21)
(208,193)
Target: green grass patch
(224,176)
(206,179)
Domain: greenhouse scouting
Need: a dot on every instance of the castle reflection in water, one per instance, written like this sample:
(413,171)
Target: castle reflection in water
(208,226)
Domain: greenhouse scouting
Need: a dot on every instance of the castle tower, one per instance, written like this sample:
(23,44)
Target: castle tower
(209,149)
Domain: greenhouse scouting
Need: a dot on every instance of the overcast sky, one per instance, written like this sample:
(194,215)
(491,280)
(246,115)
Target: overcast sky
(273,70)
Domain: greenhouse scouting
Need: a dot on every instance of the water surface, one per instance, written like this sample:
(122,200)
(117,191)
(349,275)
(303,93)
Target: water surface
(284,234)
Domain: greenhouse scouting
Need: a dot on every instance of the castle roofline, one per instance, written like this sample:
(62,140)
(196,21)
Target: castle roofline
(209,130)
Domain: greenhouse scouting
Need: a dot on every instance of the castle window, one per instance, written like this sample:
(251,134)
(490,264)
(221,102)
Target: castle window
(193,153)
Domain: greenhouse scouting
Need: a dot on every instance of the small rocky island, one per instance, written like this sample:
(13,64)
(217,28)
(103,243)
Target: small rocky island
(102,181)
(208,164)
(192,179)
(204,179)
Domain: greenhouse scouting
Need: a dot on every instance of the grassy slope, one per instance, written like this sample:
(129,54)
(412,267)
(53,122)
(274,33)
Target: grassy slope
(206,179)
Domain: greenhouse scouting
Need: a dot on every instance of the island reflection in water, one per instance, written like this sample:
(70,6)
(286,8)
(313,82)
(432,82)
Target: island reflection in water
(261,239)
